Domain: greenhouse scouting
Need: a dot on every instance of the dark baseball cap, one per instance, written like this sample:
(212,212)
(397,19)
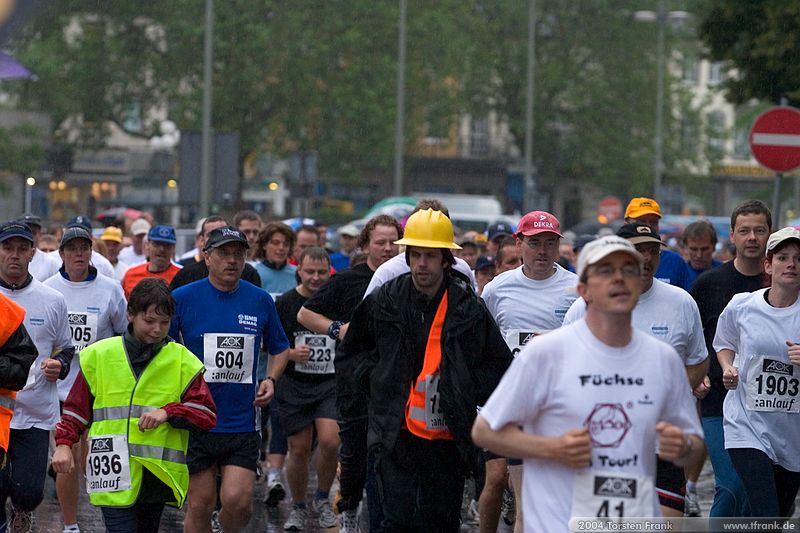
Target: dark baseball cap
(13,228)
(81,222)
(498,229)
(483,262)
(75,232)
(162,234)
(30,220)
(638,233)
(224,235)
(582,240)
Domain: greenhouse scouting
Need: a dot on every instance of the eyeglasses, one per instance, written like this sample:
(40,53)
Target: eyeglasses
(608,271)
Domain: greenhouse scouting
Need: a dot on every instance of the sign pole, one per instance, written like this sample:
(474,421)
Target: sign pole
(776,200)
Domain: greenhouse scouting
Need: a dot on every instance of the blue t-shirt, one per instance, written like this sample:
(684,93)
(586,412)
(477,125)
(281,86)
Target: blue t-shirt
(277,281)
(226,329)
(673,270)
(340,261)
(694,273)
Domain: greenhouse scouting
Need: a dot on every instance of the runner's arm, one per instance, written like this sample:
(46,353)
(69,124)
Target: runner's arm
(697,373)
(196,409)
(16,357)
(318,323)
(76,415)
(678,447)
(573,448)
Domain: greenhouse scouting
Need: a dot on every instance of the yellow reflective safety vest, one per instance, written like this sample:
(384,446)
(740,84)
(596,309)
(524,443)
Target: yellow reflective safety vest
(120,399)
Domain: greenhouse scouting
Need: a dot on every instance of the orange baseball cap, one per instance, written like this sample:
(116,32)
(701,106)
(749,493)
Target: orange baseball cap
(641,206)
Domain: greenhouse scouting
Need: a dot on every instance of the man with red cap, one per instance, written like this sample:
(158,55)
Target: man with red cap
(525,302)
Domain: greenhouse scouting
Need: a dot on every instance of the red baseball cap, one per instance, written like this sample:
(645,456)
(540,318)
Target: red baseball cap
(537,222)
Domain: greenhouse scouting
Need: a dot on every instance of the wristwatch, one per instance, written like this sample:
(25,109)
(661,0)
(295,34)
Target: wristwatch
(334,329)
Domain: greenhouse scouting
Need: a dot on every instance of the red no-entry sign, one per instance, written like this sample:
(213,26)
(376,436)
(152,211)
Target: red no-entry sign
(775,139)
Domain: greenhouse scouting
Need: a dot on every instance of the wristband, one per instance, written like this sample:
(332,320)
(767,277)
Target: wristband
(334,329)
(274,383)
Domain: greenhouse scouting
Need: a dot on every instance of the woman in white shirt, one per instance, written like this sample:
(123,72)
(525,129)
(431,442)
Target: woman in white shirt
(757,346)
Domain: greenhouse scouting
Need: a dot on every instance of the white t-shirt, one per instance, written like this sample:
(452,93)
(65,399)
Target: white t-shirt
(667,313)
(130,257)
(119,270)
(46,322)
(521,305)
(98,260)
(43,265)
(396,266)
(757,334)
(96,310)
(569,379)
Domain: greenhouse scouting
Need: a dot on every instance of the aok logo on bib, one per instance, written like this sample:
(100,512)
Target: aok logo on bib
(77,320)
(104,444)
(618,487)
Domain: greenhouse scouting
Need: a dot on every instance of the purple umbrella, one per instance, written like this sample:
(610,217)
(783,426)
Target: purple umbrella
(11,70)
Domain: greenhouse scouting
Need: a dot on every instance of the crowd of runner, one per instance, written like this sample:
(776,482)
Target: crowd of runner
(570,376)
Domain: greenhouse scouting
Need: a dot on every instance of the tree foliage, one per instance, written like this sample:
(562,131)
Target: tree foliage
(762,41)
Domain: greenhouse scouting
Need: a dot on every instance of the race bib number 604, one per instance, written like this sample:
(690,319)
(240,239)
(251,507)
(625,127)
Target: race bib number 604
(228,357)
(108,464)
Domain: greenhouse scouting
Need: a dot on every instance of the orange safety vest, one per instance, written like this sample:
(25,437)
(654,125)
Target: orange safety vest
(424,417)
(13,315)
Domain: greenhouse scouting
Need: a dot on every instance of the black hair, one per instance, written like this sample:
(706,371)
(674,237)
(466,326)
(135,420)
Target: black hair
(148,292)
(748,207)
(447,255)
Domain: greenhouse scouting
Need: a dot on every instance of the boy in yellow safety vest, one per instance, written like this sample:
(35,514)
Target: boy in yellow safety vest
(139,394)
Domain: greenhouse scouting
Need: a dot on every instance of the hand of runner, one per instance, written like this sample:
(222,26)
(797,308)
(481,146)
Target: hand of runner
(265,393)
(152,420)
(300,354)
(730,377)
(672,443)
(794,352)
(51,369)
(574,448)
(701,391)
(63,462)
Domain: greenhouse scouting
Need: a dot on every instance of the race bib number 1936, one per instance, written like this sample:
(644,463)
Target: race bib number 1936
(228,357)
(108,464)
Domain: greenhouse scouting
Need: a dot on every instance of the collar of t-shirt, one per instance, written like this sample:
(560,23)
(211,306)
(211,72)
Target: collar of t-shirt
(274,266)
(139,353)
(92,273)
(15,287)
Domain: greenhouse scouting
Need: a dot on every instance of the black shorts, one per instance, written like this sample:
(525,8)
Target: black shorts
(209,449)
(670,484)
(300,403)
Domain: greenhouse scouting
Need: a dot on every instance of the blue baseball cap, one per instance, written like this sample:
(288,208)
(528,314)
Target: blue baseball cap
(30,220)
(162,234)
(12,229)
(80,221)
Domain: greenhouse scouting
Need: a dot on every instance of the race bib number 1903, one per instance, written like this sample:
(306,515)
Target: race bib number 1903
(772,386)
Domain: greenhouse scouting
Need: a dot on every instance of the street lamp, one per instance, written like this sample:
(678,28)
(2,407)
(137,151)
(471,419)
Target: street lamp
(660,17)
(29,183)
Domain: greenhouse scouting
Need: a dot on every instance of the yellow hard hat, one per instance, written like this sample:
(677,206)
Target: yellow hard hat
(429,229)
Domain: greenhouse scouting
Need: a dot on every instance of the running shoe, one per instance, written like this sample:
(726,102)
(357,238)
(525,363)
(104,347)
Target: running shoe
(348,521)
(325,515)
(215,527)
(21,521)
(473,516)
(275,492)
(297,520)
(692,505)
(509,509)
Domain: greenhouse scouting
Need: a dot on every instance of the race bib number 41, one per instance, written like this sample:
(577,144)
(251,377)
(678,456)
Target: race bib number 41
(83,328)
(108,464)
(228,357)
(321,356)
(772,386)
(605,494)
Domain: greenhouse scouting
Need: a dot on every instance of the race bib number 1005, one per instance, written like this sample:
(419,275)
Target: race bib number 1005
(228,357)
(83,328)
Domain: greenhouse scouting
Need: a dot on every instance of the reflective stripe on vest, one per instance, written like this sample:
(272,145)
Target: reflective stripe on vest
(121,413)
(7,402)
(416,406)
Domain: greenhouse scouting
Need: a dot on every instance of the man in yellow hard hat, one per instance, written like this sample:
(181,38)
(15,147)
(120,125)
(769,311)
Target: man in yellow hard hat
(428,354)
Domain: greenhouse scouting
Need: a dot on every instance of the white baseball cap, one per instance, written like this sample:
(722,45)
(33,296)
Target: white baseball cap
(782,235)
(140,227)
(600,248)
